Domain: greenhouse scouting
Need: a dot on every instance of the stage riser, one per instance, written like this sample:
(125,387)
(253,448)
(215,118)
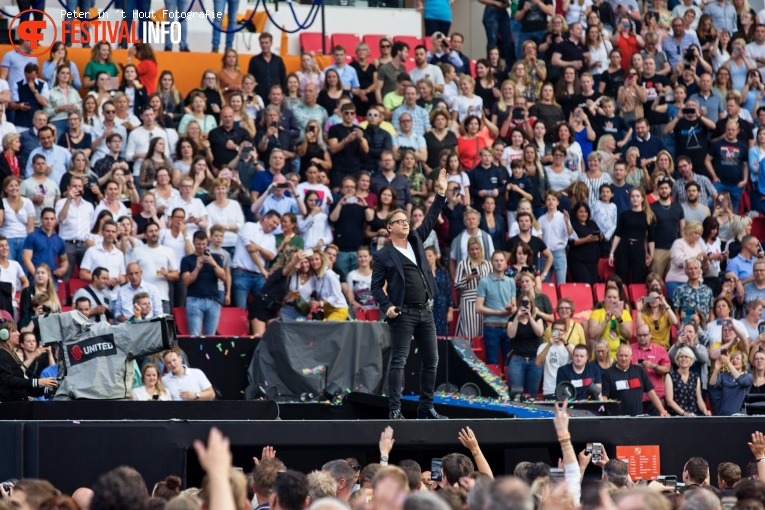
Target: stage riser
(157,449)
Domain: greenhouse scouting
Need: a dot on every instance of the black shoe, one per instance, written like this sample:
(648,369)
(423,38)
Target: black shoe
(215,49)
(430,414)
(396,415)
(185,50)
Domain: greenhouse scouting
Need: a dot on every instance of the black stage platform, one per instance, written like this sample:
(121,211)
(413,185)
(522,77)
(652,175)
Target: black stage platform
(72,451)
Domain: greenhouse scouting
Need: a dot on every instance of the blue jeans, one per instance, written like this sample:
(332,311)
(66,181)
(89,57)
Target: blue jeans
(493,339)
(420,325)
(515,28)
(290,312)
(16,246)
(84,6)
(347,261)
(233,7)
(754,198)
(560,266)
(243,284)
(142,6)
(202,310)
(181,6)
(671,286)
(497,21)
(735,194)
(525,372)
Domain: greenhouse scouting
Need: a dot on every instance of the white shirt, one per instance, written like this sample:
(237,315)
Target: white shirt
(408,253)
(229,215)
(76,225)
(431,72)
(755,51)
(101,150)
(193,380)
(556,357)
(176,244)
(151,261)
(465,106)
(48,189)
(140,394)
(325,194)
(125,300)
(113,261)
(12,274)
(103,297)
(193,207)
(252,233)
(555,231)
(123,211)
(314,228)
(15,223)
(138,143)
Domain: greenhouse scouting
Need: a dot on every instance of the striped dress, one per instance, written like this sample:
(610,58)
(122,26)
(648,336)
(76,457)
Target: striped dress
(469,324)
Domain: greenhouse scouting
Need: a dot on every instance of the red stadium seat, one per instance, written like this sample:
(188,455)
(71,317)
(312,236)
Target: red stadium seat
(549,290)
(65,309)
(599,291)
(347,41)
(135,209)
(412,41)
(604,270)
(63,293)
(180,320)
(579,293)
(758,228)
(76,284)
(479,348)
(428,42)
(310,42)
(373,41)
(409,64)
(233,322)
(636,291)
(472,68)
(453,324)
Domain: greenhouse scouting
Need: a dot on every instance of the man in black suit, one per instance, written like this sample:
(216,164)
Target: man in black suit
(408,302)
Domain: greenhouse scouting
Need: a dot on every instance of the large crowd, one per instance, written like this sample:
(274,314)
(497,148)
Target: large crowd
(595,142)
(454,482)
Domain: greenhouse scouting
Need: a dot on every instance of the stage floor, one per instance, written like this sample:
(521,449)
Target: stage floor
(158,447)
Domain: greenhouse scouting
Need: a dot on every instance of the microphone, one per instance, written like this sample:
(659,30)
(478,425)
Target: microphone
(397,310)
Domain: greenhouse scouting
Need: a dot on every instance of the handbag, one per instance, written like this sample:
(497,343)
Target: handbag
(302,306)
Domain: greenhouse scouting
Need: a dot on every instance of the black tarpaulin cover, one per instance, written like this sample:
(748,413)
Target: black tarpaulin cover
(306,356)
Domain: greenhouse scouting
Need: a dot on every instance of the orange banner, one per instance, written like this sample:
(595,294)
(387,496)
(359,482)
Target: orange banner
(644,461)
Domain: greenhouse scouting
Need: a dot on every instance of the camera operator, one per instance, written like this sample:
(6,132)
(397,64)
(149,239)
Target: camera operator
(14,385)
(41,305)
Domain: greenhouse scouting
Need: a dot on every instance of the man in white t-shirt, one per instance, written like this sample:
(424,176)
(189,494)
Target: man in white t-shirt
(756,49)
(423,70)
(73,214)
(553,355)
(139,138)
(158,263)
(196,214)
(185,383)
(108,256)
(97,293)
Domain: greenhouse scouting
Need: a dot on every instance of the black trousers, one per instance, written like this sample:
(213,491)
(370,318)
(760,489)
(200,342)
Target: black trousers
(583,271)
(420,325)
(630,261)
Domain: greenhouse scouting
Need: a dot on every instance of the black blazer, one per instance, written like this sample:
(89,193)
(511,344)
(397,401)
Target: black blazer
(13,386)
(387,266)
(5,168)
(140,102)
